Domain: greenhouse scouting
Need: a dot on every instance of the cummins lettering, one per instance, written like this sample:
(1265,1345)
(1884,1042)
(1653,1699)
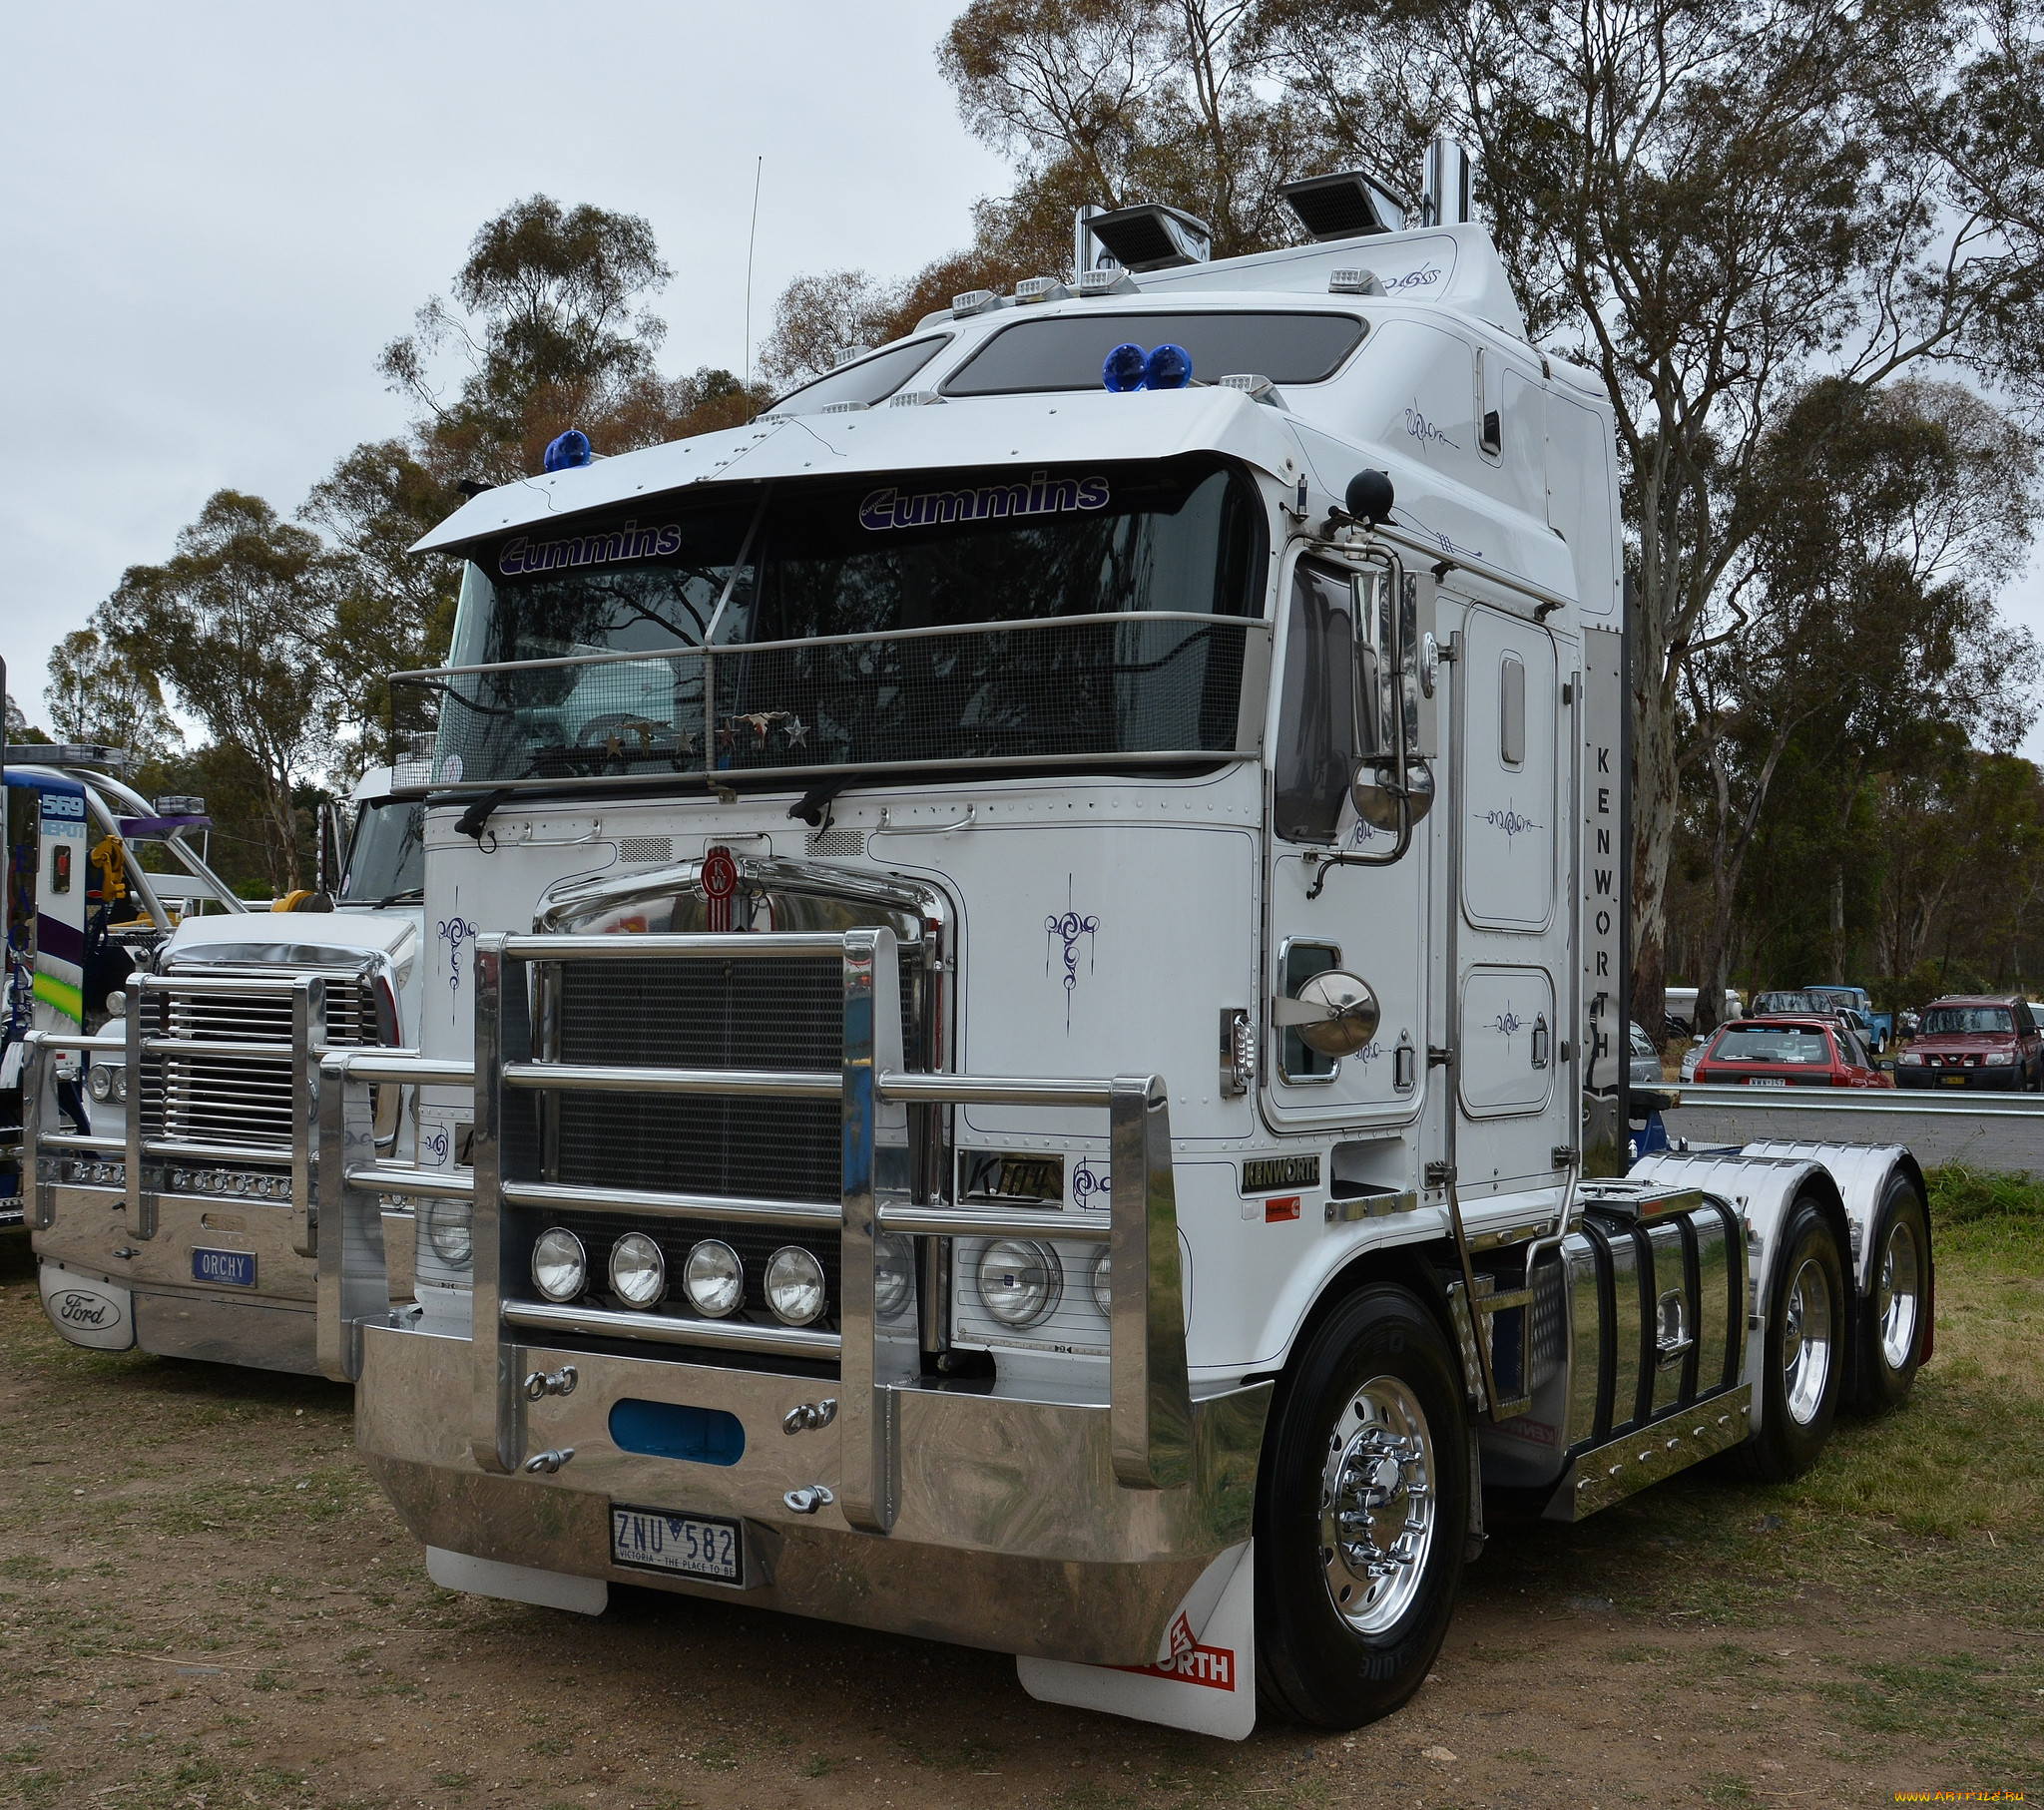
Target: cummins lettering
(611,548)
(890,507)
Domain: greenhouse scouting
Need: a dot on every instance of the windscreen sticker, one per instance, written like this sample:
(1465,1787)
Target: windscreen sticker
(892,507)
(609,548)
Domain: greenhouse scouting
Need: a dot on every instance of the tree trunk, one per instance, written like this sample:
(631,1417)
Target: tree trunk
(1838,925)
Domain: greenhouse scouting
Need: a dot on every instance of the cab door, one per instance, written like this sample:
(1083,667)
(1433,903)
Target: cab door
(1513,1095)
(1367,920)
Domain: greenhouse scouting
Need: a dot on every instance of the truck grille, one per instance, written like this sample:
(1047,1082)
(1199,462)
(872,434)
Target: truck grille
(239,1100)
(738,1014)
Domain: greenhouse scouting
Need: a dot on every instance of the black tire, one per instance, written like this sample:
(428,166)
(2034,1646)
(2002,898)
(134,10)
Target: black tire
(1804,1360)
(1345,1416)
(1893,1321)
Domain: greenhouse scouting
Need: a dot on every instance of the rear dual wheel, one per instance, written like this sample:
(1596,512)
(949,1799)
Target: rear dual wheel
(1361,1513)
(1895,1317)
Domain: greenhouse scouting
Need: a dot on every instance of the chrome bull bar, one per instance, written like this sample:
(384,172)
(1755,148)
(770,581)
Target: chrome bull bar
(1149,1406)
(307,996)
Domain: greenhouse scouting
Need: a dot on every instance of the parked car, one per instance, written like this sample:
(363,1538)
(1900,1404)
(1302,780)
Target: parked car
(1678,1009)
(1798,999)
(1975,1041)
(1646,1065)
(1857,999)
(1784,1051)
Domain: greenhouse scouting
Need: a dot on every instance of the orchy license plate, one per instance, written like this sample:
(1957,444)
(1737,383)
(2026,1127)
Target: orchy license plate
(696,1546)
(235,1268)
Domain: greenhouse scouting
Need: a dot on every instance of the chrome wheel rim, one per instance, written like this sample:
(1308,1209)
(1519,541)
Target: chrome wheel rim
(1806,1342)
(1376,1504)
(1898,1296)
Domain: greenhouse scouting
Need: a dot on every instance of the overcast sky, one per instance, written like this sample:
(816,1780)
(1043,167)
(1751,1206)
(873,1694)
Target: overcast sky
(216,215)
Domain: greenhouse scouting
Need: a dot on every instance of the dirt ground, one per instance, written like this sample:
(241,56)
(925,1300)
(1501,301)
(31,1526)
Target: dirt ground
(203,1602)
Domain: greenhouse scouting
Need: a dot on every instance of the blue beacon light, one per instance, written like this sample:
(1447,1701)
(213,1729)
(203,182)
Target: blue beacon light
(568,450)
(1169,367)
(1122,369)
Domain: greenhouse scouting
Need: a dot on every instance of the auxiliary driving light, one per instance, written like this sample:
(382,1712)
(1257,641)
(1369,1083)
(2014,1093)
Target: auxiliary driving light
(450,1229)
(794,1285)
(714,1279)
(1020,1280)
(894,1274)
(100,1083)
(637,1271)
(560,1267)
(1103,1283)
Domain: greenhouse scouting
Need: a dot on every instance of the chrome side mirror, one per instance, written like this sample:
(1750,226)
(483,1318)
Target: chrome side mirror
(1335,1013)
(1376,792)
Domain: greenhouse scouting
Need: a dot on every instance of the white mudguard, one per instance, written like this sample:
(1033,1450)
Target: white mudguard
(1205,1675)
(516,1582)
(87,1311)
(1862,1172)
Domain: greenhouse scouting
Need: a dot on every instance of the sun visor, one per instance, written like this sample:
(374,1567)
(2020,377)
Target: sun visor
(1064,428)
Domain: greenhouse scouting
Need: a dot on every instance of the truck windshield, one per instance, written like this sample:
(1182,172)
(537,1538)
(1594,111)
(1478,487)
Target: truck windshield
(386,855)
(921,620)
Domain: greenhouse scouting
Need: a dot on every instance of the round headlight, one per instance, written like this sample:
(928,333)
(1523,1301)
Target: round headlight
(1020,1280)
(450,1229)
(894,1274)
(100,1082)
(121,1083)
(714,1279)
(794,1285)
(637,1271)
(560,1267)
(1103,1284)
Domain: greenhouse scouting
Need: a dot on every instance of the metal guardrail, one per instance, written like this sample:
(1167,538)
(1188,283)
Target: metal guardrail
(1872,1100)
(1149,1406)
(307,997)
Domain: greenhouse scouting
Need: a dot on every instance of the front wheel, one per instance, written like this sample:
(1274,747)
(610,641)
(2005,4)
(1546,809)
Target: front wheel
(1894,1317)
(1801,1373)
(1361,1513)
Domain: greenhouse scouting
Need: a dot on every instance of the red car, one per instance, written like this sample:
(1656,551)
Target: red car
(1975,1041)
(1788,1050)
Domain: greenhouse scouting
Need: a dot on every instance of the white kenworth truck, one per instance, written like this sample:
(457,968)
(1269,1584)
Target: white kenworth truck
(182,1220)
(1013,952)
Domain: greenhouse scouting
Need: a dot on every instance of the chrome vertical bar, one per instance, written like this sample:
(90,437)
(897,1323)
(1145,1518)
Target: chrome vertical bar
(353,1282)
(500,1024)
(874,1358)
(141,1201)
(38,1197)
(308,1046)
(1150,1398)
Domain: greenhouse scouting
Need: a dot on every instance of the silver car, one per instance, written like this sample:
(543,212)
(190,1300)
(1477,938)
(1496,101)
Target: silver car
(1646,1069)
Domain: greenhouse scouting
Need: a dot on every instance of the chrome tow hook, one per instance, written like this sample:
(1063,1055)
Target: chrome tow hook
(808,1501)
(540,1384)
(545,1464)
(807,1415)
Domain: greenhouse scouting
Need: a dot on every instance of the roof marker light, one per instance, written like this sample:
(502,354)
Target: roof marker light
(1040,288)
(568,450)
(1113,280)
(1169,367)
(1123,368)
(974,302)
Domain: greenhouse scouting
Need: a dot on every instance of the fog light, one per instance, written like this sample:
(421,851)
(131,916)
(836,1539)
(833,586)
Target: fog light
(638,1271)
(794,1285)
(894,1274)
(120,1085)
(1020,1280)
(1103,1284)
(714,1279)
(450,1232)
(560,1267)
(100,1082)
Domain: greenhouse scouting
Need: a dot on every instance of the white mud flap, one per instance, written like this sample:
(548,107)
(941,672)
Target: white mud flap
(87,1311)
(1205,1675)
(516,1582)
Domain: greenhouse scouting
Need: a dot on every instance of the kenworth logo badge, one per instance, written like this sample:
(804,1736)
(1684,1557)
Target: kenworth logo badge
(892,507)
(1190,1662)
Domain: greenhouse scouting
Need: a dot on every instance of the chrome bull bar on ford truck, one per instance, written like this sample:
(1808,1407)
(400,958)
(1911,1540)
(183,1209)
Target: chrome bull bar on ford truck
(1060,1527)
